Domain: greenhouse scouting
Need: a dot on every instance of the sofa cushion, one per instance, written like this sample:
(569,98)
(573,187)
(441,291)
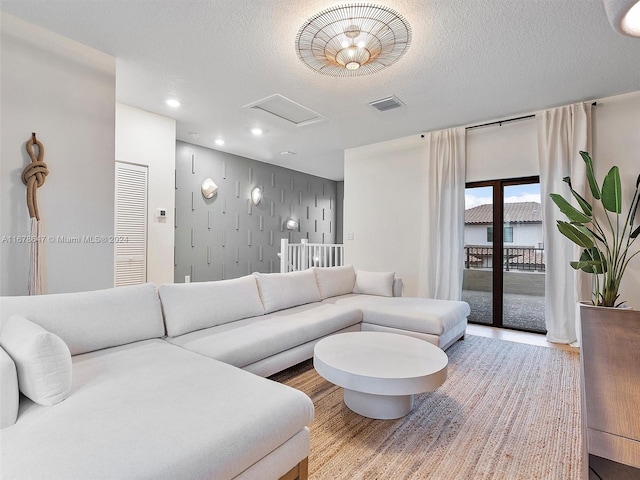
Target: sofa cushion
(333,281)
(9,393)
(253,339)
(88,321)
(42,359)
(424,315)
(374,283)
(153,410)
(193,306)
(284,290)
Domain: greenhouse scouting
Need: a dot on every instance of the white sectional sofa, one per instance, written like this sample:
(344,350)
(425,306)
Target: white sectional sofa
(162,383)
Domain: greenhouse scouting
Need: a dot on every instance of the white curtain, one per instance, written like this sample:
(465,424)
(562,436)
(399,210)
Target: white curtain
(562,133)
(442,242)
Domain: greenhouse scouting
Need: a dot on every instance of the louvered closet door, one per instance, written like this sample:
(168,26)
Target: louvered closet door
(131,224)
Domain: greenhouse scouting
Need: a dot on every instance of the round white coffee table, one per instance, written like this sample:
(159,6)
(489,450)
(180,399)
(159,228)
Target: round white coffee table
(380,372)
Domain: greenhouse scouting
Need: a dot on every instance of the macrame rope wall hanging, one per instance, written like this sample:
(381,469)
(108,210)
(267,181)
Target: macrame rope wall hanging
(33,176)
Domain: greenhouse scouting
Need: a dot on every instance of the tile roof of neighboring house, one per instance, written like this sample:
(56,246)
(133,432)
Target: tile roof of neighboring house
(522,256)
(515,255)
(522,212)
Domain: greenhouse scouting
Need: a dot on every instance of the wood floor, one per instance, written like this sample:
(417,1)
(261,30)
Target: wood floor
(515,336)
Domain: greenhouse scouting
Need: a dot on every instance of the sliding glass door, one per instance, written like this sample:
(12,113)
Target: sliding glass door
(504,254)
(478,284)
(523,267)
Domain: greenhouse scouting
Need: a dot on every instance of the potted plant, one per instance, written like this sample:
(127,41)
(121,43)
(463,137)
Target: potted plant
(609,337)
(606,240)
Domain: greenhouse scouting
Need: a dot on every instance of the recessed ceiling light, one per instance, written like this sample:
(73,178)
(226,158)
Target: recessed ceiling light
(172,102)
(219,142)
(256,131)
(288,152)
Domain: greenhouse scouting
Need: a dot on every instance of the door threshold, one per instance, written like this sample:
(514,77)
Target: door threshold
(529,338)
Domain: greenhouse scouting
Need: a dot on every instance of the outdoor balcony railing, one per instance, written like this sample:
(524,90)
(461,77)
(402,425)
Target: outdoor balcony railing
(515,258)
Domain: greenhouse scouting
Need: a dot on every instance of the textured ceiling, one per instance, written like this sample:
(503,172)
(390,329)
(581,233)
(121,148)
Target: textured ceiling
(469,61)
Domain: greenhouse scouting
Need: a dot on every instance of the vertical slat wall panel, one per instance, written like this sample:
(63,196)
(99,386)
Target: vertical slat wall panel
(222,245)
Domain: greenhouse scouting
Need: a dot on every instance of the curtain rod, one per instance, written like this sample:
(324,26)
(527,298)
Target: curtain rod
(500,122)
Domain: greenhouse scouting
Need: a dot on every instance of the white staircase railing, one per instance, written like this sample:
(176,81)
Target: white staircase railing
(300,256)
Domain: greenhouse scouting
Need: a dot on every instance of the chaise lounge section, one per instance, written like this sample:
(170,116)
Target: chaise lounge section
(378,296)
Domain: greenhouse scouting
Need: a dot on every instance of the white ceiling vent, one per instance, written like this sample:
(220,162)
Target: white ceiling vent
(287,110)
(388,103)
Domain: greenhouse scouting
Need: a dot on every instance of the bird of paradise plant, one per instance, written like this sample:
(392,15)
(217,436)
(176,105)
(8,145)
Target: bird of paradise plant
(606,237)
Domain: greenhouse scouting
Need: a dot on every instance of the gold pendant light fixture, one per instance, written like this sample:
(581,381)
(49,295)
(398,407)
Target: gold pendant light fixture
(353,40)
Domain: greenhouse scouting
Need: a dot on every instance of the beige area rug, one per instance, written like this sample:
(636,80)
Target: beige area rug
(507,411)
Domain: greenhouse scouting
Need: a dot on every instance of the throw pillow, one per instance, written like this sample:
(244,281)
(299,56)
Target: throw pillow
(197,305)
(9,393)
(374,283)
(42,359)
(284,290)
(334,281)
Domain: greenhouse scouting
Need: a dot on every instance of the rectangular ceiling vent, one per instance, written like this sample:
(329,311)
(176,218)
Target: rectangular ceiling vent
(388,103)
(286,109)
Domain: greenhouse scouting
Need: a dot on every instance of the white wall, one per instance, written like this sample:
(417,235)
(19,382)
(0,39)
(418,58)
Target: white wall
(382,208)
(475,235)
(65,92)
(383,183)
(148,139)
(524,235)
(616,141)
(527,234)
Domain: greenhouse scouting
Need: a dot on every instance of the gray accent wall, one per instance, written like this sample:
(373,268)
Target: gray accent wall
(227,236)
